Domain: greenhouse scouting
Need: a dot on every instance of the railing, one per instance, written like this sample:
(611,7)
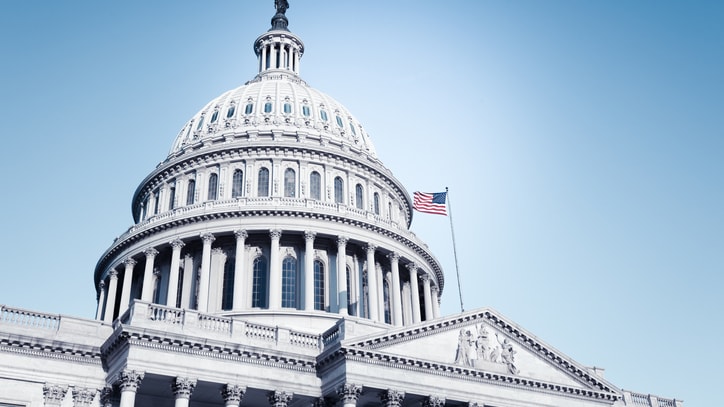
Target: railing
(262,332)
(304,340)
(30,319)
(215,323)
(331,335)
(165,314)
(648,400)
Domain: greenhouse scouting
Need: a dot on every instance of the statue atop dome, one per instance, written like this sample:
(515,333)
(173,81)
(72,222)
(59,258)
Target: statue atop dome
(279,21)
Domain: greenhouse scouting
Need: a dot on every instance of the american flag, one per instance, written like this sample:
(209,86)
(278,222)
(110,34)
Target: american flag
(430,202)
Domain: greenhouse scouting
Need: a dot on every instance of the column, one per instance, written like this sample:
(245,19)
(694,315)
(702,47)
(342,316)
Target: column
(262,67)
(147,289)
(173,274)
(129,382)
(395,297)
(342,274)
(433,401)
(392,398)
(414,292)
(232,394)
(275,271)
(54,395)
(101,299)
(309,270)
(380,293)
(239,270)
(111,298)
(126,288)
(273,56)
(435,302)
(372,283)
(279,398)
(106,397)
(428,296)
(182,388)
(83,397)
(348,394)
(207,238)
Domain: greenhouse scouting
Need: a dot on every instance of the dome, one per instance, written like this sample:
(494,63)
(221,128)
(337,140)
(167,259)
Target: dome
(274,100)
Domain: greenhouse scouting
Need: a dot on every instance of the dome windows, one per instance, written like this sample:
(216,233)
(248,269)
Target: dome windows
(290,182)
(213,187)
(359,196)
(230,112)
(323,115)
(249,108)
(190,192)
(306,111)
(351,127)
(263,182)
(315,185)
(339,122)
(215,116)
(338,190)
(237,184)
(201,123)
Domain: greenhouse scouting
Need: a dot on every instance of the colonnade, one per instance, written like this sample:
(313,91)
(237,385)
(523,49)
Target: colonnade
(403,300)
(275,54)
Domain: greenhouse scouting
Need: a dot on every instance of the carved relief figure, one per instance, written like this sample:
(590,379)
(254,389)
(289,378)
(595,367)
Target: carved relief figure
(482,343)
(476,350)
(465,345)
(507,354)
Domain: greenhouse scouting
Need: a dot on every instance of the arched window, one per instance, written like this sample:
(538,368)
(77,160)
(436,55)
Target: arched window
(249,108)
(376,203)
(318,285)
(227,296)
(231,111)
(263,182)
(267,107)
(290,182)
(315,185)
(289,282)
(259,283)
(215,116)
(156,196)
(171,197)
(213,187)
(190,192)
(338,190)
(358,197)
(237,183)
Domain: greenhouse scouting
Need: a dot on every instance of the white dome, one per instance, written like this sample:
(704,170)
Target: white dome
(274,100)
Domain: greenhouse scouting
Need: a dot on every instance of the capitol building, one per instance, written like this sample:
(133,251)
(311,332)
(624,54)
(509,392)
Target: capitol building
(270,263)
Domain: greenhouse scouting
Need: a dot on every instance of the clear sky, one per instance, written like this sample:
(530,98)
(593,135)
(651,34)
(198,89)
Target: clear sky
(582,142)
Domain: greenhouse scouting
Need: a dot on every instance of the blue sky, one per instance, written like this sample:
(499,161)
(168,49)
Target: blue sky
(582,142)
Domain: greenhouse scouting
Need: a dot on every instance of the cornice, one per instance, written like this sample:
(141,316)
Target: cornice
(55,350)
(204,347)
(275,212)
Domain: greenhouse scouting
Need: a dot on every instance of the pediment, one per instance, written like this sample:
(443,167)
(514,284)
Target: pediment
(482,340)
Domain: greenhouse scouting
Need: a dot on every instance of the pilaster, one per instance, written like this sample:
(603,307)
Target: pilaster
(111,297)
(239,270)
(309,270)
(373,300)
(414,291)
(275,271)
(395,290)
(126,288)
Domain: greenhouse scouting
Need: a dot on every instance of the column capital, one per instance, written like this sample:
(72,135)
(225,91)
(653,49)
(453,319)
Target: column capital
(434,401)
(54,394)
(207,238)
(182,387)
(241,234)
(425,277)
(393,256)
(83,397)
(371,247)
(150,252)
(233,393)
(309,235)
(130,380)
(412,266)
(102,285)
(279,398)
(156,272)
(392,398)
(342,240)
(434,289)
(113,273)
(321,402)
(177,244)
(217,251)
(275,233)
(129,262)
(349,392)
(106,396)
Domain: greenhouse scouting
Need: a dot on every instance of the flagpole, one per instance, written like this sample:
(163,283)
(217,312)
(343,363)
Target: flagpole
(455,251)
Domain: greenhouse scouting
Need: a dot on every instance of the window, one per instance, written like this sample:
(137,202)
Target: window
(318,285)
(263,182)
(389,210)
(237,184)
(201,123)
(259,283)
(190,192)
(339,122)
(289,282)
(171,197)
(323,115)
(156,197)
(287,108)
(213,187)
(305,111)
(231,111)
(351,127)
(376,203)
(350,305)
(227,296)
(338,190)
(290,181)
(215,116)
(249,108)
(315,185)
(386,295)
(358,197)
(267,107)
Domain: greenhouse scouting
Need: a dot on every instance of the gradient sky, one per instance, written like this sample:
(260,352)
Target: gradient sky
(582,142)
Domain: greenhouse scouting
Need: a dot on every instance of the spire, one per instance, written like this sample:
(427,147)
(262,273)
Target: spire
(278,49)
(279,21)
